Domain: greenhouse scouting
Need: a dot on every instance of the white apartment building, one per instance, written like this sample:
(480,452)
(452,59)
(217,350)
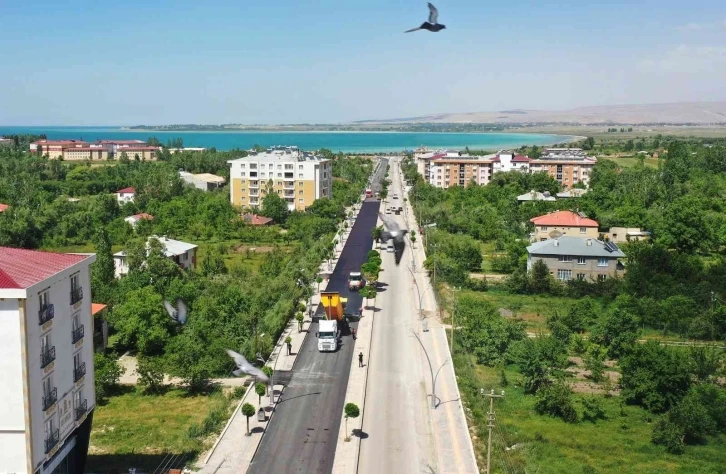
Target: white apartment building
(296,176)
(46,361)
(181,253)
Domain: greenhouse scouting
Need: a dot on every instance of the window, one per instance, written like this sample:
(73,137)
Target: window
(565,258)
(47,386)
(602,262)
(301,192)
(262,175)
(564,274)
(76,290)
(242,165)
(543,228)
(300,184)
(43,297)
(300,175)
(301,200)
(581,260)
(583,230)
(299,167)
(279,167)
(253,166)
(279,175)
(602,277)
(581,276)
(279,183)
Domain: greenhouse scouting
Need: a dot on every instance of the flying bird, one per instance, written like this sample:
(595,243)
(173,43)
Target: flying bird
(394,232)
(244,367)
(432,24)
(178,314)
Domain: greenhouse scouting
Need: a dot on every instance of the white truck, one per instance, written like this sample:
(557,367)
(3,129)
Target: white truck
(355,281)
(327,335)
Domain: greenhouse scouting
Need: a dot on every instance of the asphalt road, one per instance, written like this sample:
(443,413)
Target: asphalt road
(302,434)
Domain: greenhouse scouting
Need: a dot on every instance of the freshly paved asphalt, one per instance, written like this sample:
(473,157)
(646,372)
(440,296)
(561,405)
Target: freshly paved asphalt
(302,434)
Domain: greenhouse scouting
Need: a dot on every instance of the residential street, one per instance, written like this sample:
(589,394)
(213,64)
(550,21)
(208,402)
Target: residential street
(301,436)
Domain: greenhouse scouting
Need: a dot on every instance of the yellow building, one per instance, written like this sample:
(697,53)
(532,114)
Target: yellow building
(296,176)
(85,153)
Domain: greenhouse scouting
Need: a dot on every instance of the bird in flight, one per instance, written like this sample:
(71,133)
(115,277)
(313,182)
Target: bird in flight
(244,367)
(432,24)
(178,314)
(395,233)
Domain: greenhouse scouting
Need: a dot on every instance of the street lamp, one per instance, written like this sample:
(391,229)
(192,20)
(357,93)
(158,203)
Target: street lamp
(431,368)
(272,378)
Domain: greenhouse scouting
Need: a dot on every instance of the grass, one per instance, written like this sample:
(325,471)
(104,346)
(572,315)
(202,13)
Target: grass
(629,161)
(141,429)
(237,255)
(620,443)
(533,309)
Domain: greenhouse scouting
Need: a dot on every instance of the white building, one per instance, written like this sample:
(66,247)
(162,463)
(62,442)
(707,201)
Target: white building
(182,253)
(46,361)
(296,176)
(133,220)
(203,181)
(125,195)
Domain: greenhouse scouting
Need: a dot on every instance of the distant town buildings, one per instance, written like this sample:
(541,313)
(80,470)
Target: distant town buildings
(445,168)
(126,195)
(46,361)
(182,253)
(296,176)
(203,181)
(75,150)
(189,149)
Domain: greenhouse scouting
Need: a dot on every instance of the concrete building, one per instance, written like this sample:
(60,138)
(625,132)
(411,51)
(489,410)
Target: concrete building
(577,258)
(621,235)
(46,361)
(126,195)
(296,176)
(133,220)
(53,149)
(138,153)
(115,145)
(203,181)
(556,224)
(181,253)
(505,162)
(447,168)
(536,196)
(86,153)
(566,165)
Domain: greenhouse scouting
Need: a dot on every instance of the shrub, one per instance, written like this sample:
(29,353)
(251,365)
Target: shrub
(556,400)
(107,374)
(592,409)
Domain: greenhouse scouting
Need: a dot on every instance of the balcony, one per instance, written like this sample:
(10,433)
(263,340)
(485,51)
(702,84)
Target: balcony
(51,441)
(46,314)
(50,399)
(79,372)
(76,295)
(81,410)
(77,334)
(47,357)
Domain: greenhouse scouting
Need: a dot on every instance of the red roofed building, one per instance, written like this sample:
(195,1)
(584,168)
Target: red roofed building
(556,224)
(133,220)
(54,148)
(126,195)
(3,207)
(254,219)
(46,359)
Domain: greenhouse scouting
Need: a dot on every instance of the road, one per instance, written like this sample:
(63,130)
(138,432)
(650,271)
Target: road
(302,434)
(396,419)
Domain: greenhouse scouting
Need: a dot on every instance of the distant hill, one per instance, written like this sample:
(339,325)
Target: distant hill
(689,113)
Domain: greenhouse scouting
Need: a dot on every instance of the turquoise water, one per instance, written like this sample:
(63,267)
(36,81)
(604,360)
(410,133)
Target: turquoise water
(335,141)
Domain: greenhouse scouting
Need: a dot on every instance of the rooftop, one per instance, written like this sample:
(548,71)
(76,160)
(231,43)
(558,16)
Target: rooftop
(3,207)
(536,196)
(97,308)
(172,247)
(143,215)
(572,193)
(21,268)
(254,219)
(210,178)
(280,154)
(127,190)
(564,219)
(576,246)
(59,142)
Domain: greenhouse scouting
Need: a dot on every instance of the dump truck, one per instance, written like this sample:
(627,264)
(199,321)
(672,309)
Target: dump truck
(355,281)
(328,330)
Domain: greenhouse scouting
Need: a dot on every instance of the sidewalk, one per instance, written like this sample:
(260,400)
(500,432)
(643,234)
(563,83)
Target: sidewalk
(451,432)
(346,452)
(233,451)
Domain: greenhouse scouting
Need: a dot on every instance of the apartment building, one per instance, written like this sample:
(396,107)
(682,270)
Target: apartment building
(566,165)
(446,168)
(46,361)
(296,176)
(54,149)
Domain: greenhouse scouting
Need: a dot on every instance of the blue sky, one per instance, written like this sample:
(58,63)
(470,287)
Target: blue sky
(284,61)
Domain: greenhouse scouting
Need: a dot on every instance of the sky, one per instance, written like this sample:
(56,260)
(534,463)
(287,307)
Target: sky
(330,61)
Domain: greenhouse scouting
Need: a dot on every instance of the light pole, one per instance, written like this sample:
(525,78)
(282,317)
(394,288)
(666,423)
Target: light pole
(490,424)
(418,292)
(431,368)
(272,378)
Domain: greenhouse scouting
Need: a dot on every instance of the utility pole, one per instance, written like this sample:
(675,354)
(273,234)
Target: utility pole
(490,425)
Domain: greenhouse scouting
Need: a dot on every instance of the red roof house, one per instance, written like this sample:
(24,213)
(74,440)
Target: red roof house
(21,268)
(254,219)
(564,219)
(3,207)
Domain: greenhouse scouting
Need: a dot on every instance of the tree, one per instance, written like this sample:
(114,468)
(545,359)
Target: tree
(248,410)
(103,278)
(151,375)
(655,376)
(684,226)
(369,293)
(484,332)
(213,264)
(592,409)
(300,318)
(618,331)
(141,321)
(556,400)
(540,278)
(588,143)
(107,375)
(260,389)
(274,207)
(351,410)
(318,281)
(288,343)
(595,362)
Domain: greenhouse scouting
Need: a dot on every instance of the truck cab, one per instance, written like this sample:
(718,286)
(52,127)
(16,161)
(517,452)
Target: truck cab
(328,335)
(355,281)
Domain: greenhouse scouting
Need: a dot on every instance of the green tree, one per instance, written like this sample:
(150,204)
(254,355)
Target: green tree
(260,390)
(103,280)
(274,207)
(351,410)
(300,318)
(618,331)
(107,375)
(151,375)
(595,362)
(540,278)
(213,264)
(556,400)
(684,226)
(654,376)
(248,411)
(592,409)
